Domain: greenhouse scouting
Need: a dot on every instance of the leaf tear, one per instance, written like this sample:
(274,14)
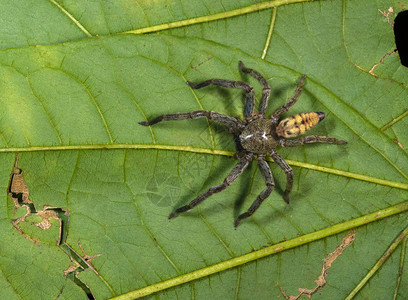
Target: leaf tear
(19,193)
(81,263)
(79,260)
(18,189)
(327,263)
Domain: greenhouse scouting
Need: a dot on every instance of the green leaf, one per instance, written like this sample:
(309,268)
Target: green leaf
(73,88)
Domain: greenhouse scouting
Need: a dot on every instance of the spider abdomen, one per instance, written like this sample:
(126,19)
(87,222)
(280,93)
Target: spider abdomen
(298,124)
(258,137)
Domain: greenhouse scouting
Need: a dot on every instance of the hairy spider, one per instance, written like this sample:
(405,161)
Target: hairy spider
(256,136)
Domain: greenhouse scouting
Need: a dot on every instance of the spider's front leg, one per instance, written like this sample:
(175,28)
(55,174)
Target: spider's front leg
(266,91)
(232,176)
(250,96)
(212,115)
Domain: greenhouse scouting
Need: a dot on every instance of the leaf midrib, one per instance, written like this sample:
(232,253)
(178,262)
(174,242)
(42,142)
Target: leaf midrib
(357,176)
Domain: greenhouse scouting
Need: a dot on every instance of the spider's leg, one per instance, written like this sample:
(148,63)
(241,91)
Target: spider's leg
(284,108)
(288,171)
(267,175)
(311,139)
(263,105)
(212,115)
(250,96)
(232,176)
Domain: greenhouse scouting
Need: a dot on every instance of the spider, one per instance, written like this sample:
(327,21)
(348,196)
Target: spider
(256,136)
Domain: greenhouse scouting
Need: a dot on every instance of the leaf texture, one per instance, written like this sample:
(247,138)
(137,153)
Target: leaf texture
(74,86)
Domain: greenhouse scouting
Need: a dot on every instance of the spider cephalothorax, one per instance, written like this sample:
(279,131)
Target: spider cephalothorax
(256,136)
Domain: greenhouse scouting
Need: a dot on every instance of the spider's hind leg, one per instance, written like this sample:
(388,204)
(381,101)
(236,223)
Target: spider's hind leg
(267,175)
(288,171)
(284,108)
(232,176)
(309,139)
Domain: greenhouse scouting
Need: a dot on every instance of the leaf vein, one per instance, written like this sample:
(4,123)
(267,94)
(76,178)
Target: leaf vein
(146,228)
(394,184)
(218,16)
(269,36)
(76,22)
(46,113)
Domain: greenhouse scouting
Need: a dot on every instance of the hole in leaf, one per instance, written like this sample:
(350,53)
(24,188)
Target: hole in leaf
(401,36)
(20,194)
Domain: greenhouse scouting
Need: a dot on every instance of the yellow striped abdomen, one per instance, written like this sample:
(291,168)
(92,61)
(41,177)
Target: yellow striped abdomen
(298,124)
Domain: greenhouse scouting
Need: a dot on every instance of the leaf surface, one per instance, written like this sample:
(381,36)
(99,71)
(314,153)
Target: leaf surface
(71,104)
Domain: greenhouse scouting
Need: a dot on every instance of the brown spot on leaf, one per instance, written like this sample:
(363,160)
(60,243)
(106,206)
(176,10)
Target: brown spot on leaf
(46,215)
(321,280)
(71,269)
(389,15)
(398,143)
(18,189)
